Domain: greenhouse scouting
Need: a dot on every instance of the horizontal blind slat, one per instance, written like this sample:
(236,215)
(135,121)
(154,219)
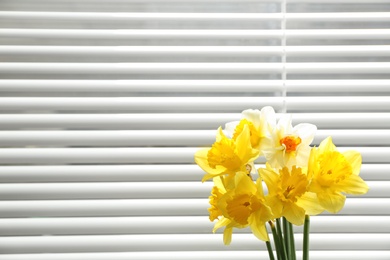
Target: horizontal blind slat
(153,207)
(76,52)
(164,155)
(96,173)
(335,1)
(134,16)
(173,225)
(326,85)
(198,255)
(142,34)
(197,242)
(196,34)
(240,17)
(193,68)
(186,86)
(132,190)
(189,86)
(140,68)
(208,1)
(145,51)
(154,172)
(128,138)
(172,104)
(195,104)
(192,121)
(97,155)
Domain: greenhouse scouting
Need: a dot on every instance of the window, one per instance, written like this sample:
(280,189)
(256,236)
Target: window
(104,103)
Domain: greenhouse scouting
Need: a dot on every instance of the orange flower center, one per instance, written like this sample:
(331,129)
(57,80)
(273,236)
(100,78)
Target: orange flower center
(291,143)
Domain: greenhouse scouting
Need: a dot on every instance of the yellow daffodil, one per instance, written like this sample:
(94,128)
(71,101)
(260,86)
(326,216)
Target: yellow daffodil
(226,156)
(244,206)
(216,193)
(286,145)
(334,174)
(288,196)
(258,123)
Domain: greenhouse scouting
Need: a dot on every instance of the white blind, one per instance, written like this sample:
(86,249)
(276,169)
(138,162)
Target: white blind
(103,104)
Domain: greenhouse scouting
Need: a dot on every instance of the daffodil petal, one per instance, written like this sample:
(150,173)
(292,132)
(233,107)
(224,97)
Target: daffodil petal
(258,227)
(285,125)
(201,160)
(271,179)
(353,185)
(244,148)
(230,127)
(220,135)
(312,165)
(221,223)
(306,132)
(275,204)
(327,145)
(355,159)
(269,116)
(227,235)
(304,154)
(265,213)
(253,116)
(309,202)
(218,182)
(259,184)
(244,184)
(269,155)
(332,202)
(294,214)
(218,171)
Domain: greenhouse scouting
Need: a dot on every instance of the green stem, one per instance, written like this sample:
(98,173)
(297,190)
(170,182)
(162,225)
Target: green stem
(276,241)
(287,237)
(291,241)
(270,252)
(282,244)
(306,230)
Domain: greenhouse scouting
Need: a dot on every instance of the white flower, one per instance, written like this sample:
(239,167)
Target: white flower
(286,145)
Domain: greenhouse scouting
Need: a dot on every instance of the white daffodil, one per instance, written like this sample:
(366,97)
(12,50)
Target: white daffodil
(286,145)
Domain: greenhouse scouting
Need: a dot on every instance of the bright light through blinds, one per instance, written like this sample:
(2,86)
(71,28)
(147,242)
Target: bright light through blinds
(104,103)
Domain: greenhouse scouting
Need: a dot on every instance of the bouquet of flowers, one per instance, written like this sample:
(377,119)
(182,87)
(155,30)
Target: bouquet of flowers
(300,180)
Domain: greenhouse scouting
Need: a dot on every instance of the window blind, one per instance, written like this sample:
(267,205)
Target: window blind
(104,103)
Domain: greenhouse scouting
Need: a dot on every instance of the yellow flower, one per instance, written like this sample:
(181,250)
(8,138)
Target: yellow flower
(226,156)
(255,135)
(244,206)
(216,193)
(288,196)
(258,123)
(286,146)
(334,174)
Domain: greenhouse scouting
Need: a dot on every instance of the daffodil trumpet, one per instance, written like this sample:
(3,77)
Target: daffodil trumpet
(297,181)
